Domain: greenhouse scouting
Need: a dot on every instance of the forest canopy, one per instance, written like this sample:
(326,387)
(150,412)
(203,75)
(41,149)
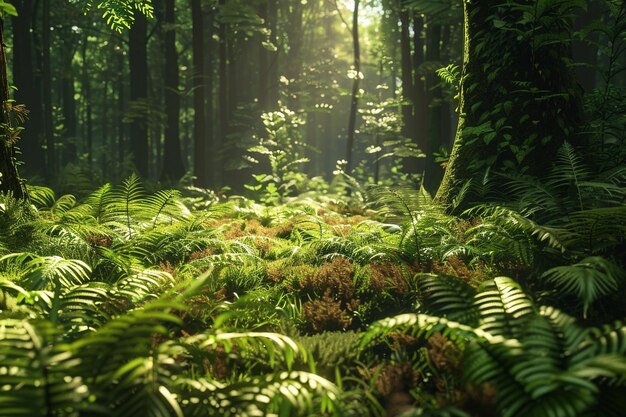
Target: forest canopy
(313,208)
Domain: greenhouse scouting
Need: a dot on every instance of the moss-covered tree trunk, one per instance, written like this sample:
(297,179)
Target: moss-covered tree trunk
(519,99)
(9,178)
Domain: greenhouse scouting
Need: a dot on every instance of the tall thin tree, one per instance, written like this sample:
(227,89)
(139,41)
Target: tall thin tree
(138,66)
(354,101)
(9,178)
(173,168)
(46,71)
(201,145)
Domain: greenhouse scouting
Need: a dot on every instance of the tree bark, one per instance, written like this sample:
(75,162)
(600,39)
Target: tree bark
(209,77)
(69,151)
(263,70)
(519,100)
(173,168)
(354,102)
(9,178)
(201,164)
(433,172)
(223,105)
(26,93)
(406,69)
(138,66)
(420,98)
(46,71)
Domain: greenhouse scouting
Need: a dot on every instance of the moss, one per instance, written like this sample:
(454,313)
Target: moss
(325,314)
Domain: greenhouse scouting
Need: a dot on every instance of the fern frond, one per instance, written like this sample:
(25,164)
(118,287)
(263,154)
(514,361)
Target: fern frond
(569,171)
(284,394)
(424,325)
(165,206)
(99,202)
(126,201)
(596,230)
(448,297)
(38,375)
(41,196)
(502,305)
(273,346)
(46,272)
(588,280)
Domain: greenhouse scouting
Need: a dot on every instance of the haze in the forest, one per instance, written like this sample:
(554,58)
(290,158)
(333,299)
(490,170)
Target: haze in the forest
(280,208)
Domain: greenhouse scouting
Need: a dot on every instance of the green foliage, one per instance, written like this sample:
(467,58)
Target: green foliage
(120,14)
(7,8)
(284,150)
(540,360)
(589,279)
(177,307)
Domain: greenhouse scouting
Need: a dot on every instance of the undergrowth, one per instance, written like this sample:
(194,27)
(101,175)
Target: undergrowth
(127,302)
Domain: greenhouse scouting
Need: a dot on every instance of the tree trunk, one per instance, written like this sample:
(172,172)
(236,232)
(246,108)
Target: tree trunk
(355,87)
(121,104)
(519,100)
(46,71)
(420,98)
(209,77)
(585,51)
(202,165)
(406,68)
(223,104)
(294,31)
(86,90)
(9,177)
(173,168)
(272,72)
(433,172)
(138,66)
(26,93)
(69,153)
(263,70)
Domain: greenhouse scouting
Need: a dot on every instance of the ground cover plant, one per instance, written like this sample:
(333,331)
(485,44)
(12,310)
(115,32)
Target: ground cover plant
(127,302)
(198,234)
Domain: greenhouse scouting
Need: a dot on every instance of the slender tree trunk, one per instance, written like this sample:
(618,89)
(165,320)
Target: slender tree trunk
(354,102)
(419,98)
(433,172)
(448,115)
(70,153)
(293,68)
(173,168)
(46,71)
(406,69)
(585,51)
(202,165)
(86,89)
(209,77)
(263,71)
(138,66)
(9,177)
(223,105)
(26,93)
(104,128)
(121,104)
(272,71)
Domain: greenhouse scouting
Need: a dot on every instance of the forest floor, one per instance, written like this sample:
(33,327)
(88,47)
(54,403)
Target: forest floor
(187,306)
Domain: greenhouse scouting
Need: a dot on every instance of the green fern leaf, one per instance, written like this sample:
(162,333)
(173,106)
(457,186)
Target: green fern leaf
(590,279)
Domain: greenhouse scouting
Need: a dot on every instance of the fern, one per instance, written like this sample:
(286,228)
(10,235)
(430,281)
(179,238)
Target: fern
(448,297)
(127,200)
(588,280)
(38,372)
(541,361)
(404,206)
